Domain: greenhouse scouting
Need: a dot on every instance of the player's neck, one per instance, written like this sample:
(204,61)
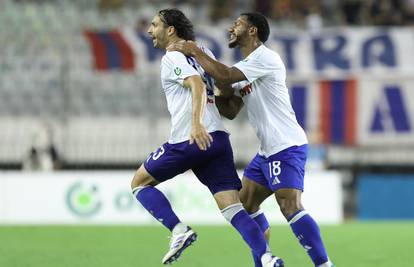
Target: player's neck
(249,47)
(173,40)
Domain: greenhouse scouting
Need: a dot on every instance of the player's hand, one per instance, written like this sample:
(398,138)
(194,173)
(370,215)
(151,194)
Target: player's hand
(200,135)
(188,48)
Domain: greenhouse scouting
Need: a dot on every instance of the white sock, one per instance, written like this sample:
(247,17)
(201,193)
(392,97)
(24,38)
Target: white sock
(266,257)
(180,228)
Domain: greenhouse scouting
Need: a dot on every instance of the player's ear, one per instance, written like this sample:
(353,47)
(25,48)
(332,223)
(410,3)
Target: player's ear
(170,30)
(253,30)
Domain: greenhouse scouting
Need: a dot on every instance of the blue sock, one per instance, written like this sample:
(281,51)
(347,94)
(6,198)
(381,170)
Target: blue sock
(247,228)
(261,220)
(308,234)
(157,204)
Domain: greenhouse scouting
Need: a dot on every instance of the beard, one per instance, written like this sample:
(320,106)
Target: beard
(159,41)
(234,43)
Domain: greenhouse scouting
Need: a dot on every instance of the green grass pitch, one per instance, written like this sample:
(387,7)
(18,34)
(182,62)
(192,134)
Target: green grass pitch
(349,245)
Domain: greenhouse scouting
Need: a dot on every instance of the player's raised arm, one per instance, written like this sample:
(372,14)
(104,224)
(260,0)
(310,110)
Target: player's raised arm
(198,134)
(220,72)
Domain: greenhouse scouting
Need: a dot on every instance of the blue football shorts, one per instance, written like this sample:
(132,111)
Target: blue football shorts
(213,167)
(285,169)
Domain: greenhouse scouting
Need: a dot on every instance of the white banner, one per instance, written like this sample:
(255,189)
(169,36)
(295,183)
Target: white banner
(331,52)
(105,198)
(386,112)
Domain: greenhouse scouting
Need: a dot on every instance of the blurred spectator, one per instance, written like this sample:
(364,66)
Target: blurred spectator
(221,9)
(298,13)
(384,12)
(264,7)
(244,6)
(331,12)
(42,154)
(41,159)
(351,10)
(282,11)
(308,14)
(110,4)
(314,20)
(407,7)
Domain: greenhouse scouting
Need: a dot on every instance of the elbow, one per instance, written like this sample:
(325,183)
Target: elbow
(230,115)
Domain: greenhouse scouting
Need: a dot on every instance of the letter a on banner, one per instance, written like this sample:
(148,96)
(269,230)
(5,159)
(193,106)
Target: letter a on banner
(385,55)
(390,112)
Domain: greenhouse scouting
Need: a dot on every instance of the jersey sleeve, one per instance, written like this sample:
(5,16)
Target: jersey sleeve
(178,67)
(254,68)
(236,87)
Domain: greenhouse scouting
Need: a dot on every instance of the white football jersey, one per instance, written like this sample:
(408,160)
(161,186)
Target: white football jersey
(175,67)
(266,97)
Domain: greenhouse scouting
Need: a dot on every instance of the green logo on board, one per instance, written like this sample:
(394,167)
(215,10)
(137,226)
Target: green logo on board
(82,200)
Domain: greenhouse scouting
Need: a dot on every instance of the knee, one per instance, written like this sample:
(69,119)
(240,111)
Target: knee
(142,178)
(136,180)
(248,202)
(225,199)
(288,207)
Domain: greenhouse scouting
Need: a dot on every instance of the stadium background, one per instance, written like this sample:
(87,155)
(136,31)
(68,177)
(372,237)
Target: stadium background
(81,107)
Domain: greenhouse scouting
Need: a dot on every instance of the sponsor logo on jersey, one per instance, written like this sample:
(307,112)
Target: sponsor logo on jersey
(177,71)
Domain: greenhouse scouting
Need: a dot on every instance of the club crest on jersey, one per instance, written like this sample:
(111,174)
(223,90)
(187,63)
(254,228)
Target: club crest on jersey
(177,71)
(246,90)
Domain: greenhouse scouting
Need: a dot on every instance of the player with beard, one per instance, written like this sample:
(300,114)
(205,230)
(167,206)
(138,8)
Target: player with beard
(258,81)
(198,141)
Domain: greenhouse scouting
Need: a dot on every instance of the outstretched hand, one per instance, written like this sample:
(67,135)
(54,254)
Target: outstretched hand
(188,48)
